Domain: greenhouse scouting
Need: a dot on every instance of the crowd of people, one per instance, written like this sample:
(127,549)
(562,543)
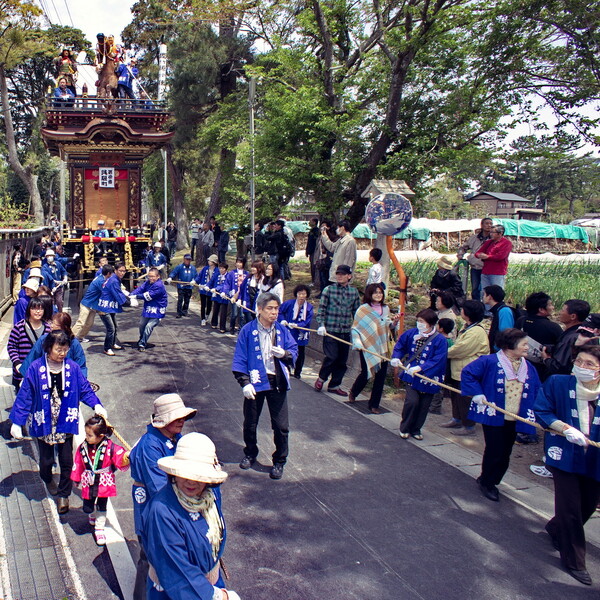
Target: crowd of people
(507,371)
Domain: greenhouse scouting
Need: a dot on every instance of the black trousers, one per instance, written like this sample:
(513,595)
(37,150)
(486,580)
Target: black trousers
(336,357)
(460,405)
(64,454)
(378,381)
(194,242)
(183,301)
(219,315)
(414,411)
(299,361)
(206,304)
(575,500)
(91,504)
(499,442)
(110,322)
(278,410)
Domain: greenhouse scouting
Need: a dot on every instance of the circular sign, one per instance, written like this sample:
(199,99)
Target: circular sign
(389,214)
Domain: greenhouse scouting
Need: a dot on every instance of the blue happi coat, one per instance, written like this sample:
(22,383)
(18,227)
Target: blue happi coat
(203,279)
(485,375)
(155,259)
(556,400)
(230,286)
(247,357)
(177,547)
(53,274)
(75,353)
(148,478)
(155,299)
(432,360)
(112,298)
(286,313)
(220,287)
(93,293)
(32,403)
(183,273)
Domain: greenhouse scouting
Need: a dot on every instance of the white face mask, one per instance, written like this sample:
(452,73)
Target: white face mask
(584,375)
(422,327)
(338,231)
(50,259)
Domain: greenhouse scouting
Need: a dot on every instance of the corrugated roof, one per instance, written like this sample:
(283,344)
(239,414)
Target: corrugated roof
(502,196)
(383,186)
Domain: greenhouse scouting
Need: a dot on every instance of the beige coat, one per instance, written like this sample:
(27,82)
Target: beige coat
(344,253)
(469,345)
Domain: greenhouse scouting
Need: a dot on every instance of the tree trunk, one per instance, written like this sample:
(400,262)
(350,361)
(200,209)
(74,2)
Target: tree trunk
(24,174)
(181,220)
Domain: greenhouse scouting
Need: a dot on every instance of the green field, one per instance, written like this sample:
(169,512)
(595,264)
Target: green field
(561,281)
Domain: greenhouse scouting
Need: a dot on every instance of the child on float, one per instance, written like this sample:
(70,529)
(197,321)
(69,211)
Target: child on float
(94,466)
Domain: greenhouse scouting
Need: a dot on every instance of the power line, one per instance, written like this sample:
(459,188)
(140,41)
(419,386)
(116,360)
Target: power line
(57,15)
(69,13)
(45,11)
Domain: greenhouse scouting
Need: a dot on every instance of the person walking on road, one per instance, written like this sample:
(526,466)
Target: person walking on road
(111,301)
(169,415)
(424,351)
(184,272)
(511,383)
(155,305)
(184,529)
(48,402)
(371,331)
(569,405)
(339,303)
(96,461)
(264,352)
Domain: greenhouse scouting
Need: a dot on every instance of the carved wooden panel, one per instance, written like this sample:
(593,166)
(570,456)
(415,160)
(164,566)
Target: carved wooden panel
(77,197)
(135,198)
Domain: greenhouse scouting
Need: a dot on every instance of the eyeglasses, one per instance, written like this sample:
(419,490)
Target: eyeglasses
(587,364)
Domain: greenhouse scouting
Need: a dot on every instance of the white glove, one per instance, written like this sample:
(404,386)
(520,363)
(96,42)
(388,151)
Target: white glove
(479,399)
(168,281)
(249,391)
(76,255)
(213,290)
(412,370)
(126,292)
(321,330)
(239,303)
(100,411)
(284,323)
(395,362)
(232,300)
(292,325)
(233,595)
(54,289)
(16,431)
(161,267)
(133,301)
(277,352)
(575,436)
(65,281)
(147,296)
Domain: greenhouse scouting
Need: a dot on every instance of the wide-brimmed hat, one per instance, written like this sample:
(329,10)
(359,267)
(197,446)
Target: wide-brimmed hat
(444,263)
(32,284)
(214,259)
(50,252)
(35,272)
(169,408)
(196,459)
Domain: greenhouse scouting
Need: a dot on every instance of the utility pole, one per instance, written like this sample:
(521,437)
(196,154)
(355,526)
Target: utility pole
(251,101)
(162,88)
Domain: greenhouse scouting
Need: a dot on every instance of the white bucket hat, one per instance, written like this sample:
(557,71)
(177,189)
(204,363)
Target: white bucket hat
(50,252)
(195,459)
(157,245)
(32,284)
(35,272)
(169,408)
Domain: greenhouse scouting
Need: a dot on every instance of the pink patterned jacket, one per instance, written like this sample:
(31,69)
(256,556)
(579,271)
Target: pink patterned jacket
(98,483)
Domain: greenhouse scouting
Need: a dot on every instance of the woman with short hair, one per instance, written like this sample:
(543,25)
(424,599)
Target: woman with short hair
(511,383)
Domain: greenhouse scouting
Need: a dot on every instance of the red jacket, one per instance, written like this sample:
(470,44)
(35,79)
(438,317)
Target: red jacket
(498,251)
(103,479)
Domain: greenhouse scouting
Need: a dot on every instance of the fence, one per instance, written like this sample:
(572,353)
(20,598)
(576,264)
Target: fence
(8,238)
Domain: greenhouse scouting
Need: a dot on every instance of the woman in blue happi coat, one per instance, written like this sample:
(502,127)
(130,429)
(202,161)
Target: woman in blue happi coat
(424,351)
(183,528)
(511,383)
(207,280)
(568,404)
(298,312)
(48,402)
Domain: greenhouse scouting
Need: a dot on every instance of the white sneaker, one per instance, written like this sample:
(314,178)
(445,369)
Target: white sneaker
(203,322)
(540,471)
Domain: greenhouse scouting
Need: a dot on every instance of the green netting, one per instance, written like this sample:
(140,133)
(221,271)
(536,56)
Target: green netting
(536,229)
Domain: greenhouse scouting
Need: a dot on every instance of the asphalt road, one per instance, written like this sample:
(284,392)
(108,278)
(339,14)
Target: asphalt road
(359,514)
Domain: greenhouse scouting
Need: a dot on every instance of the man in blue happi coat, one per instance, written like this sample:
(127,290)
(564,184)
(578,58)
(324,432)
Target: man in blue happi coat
(264,353)
(184,272)
(155,305)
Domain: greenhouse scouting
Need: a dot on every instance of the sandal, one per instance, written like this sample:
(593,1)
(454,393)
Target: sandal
(404,436)
(418,436)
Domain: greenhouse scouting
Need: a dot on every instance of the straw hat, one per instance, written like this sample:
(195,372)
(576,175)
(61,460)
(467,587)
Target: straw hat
(444,263)
(169,408)
(35,272)
(213,258)
(32,284)
(195,459)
